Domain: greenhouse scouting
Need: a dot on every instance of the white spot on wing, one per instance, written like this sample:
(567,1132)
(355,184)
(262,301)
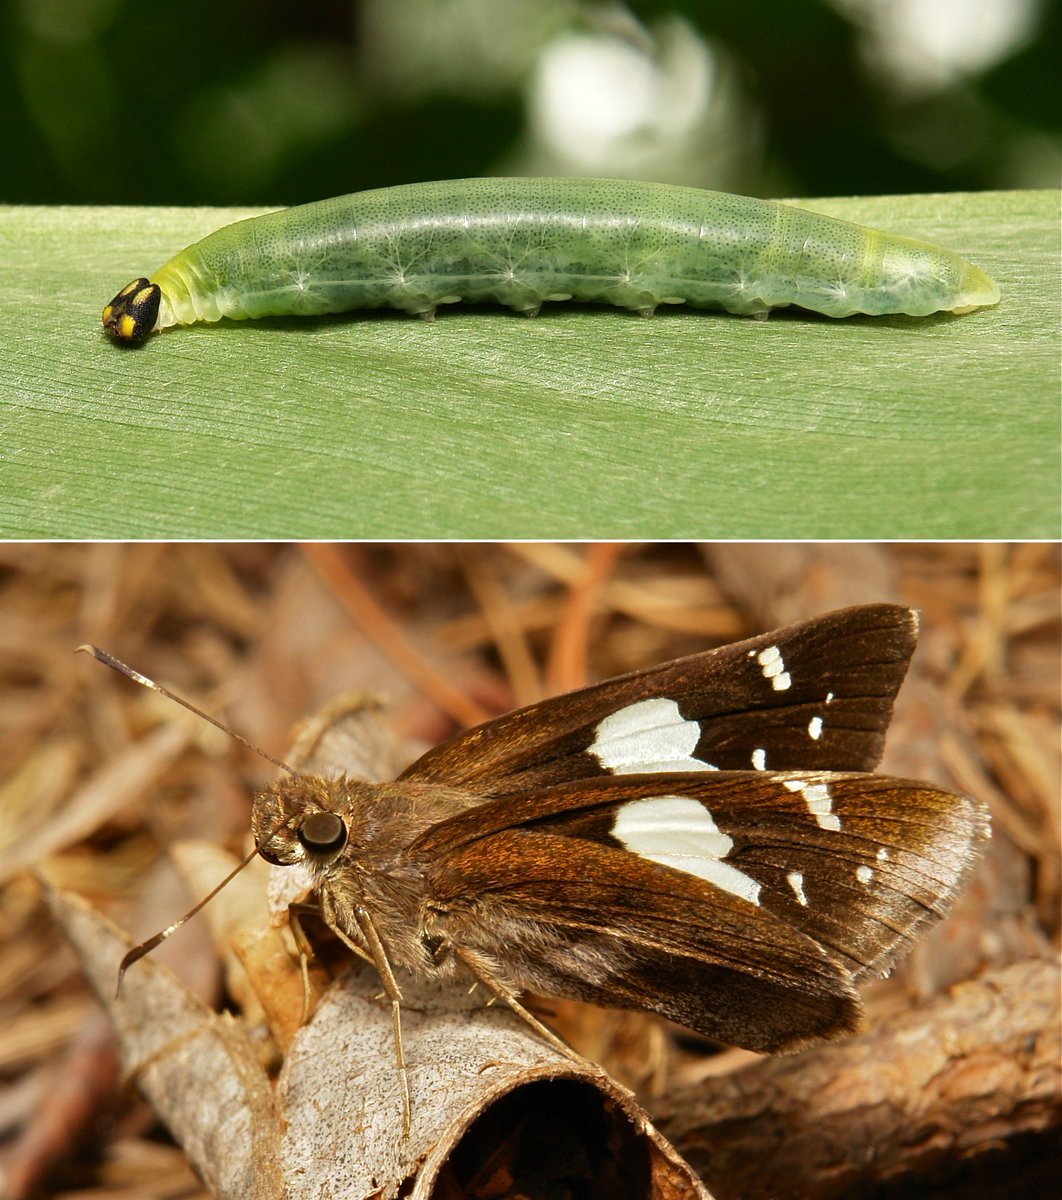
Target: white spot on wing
(773,668)
(819,801)
(796,882)
(815,728)
(678,832)
(864,874)
(883,854)
(759,759)
(649,736)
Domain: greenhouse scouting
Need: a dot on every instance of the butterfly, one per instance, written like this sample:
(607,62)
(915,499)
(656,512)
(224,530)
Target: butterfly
(703,839)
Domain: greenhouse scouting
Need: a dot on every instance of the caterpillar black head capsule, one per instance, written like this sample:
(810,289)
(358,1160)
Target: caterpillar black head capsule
(133,313)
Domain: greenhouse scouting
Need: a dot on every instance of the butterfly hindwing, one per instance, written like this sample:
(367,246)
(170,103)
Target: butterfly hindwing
(769,882)
(613,929)
(858,862)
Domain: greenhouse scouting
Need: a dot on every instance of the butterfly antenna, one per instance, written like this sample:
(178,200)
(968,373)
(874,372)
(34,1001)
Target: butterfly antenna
(138,952)
(122,668)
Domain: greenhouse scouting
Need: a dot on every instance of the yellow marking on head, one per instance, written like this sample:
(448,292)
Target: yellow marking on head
(132,314)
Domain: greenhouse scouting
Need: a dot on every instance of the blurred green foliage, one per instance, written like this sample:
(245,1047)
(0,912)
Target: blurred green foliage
(266,101)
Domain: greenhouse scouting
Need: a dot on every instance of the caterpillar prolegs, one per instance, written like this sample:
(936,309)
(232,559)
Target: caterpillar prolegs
(522,242)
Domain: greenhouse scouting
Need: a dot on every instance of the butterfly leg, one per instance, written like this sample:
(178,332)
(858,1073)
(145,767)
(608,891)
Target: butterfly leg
(377,955)
(481,967)
(305,951)
(304,948)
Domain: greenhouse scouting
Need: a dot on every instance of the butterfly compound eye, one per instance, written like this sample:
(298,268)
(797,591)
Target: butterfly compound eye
(322,832)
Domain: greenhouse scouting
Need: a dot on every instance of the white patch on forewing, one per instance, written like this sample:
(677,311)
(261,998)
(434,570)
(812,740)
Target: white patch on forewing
(815,728)
(773,668)
(796,882)
(819,801)
(829,697)
(646,737)
(864,874)
(759,760)
(883,854)
(678,832)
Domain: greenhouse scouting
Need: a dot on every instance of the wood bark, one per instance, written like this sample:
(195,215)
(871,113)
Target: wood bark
(927,1090)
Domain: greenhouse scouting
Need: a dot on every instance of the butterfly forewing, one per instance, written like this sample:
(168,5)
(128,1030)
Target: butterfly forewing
(813,696)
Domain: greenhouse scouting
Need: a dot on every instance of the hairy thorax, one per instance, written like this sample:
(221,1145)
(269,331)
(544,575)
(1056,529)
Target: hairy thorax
(371,870)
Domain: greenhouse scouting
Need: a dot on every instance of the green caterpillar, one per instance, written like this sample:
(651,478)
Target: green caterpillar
(521,242)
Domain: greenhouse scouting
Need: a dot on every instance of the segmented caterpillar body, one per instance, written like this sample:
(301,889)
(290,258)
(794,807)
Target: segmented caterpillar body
(522,242)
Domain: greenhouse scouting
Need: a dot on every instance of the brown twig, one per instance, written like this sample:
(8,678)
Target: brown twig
(959,1077)
(506,631)
(83,1089)
(567,667)
(333,568)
